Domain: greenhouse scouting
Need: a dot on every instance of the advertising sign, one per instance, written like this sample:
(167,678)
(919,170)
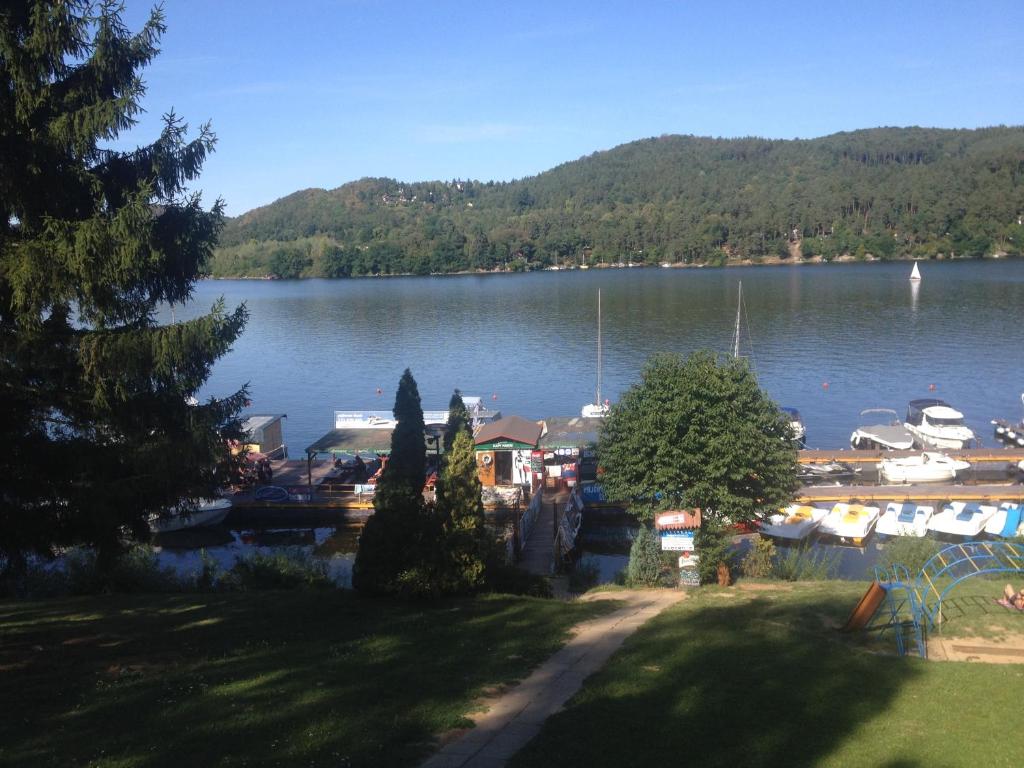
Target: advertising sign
(677,541)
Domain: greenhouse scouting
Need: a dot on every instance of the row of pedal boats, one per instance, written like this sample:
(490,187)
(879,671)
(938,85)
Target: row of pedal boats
(853,523)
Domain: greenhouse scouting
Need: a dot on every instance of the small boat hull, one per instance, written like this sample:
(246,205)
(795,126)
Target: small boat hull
(926,468)
(793,523)
(850,522)
(962,519)
(904,520)
(209,512)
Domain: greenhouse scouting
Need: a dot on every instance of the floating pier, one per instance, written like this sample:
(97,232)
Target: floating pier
(918,492)
(851,456)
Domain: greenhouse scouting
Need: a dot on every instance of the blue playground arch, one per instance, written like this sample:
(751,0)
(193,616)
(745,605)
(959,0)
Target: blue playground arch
(957,563)
(915,606)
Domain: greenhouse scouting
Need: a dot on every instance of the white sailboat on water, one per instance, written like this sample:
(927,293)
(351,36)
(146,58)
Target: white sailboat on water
(599,408)
(915,273)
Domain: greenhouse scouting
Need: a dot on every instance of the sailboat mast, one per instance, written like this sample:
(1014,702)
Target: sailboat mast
(736,333)
(597,400)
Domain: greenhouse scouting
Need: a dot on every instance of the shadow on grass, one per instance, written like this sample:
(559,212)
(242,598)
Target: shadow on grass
(259,679)
(724,680)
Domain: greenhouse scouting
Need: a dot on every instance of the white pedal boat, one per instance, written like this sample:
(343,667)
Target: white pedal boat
(207,512)
(959,518)
(850,522)
(926,468)
(1007,522)
(794,522)
(904,520)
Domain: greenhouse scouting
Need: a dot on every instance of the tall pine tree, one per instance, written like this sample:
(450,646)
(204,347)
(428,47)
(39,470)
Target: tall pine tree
(458,420)
(461,509)
(96,426)
(401,534)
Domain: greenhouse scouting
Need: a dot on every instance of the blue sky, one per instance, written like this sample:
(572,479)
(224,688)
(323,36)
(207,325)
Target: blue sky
(315,93)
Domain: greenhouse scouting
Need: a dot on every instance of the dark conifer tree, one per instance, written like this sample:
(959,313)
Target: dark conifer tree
(400,534)
(96,424)
(458,420)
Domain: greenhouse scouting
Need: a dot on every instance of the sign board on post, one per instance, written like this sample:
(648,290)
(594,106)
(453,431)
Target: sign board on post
(689,576)
(677,541)
(684,518)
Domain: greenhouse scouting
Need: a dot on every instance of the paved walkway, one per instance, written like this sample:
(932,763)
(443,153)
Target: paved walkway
(517,716)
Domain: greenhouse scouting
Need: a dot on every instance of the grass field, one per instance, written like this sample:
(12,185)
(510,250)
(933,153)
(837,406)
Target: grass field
(740,677)
(274,678)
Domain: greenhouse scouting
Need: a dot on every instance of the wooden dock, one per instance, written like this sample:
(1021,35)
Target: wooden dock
(973,455)
(921,492)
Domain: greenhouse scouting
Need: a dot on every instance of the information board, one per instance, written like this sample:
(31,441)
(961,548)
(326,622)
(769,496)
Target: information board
(677,541)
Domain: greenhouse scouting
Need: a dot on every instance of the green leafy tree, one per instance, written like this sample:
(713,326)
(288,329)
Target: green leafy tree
(459,421)
(402,531)
(97,425)
(698,432)
(461,508)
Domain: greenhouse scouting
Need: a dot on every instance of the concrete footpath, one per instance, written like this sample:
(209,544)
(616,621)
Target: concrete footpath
(515,717)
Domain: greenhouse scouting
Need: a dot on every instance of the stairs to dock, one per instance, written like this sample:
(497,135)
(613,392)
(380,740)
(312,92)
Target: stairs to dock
(538,554)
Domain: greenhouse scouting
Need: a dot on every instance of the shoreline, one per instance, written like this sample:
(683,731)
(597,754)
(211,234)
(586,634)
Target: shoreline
(767,261)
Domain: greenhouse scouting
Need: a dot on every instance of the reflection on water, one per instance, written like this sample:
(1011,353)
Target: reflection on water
(313,346)
(183,550)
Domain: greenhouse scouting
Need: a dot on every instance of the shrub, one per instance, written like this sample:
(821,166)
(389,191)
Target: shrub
(644,567)
(909,551)
(208,575)
(757,564)
(805,564)
(714,547)
(288,569)
(136,570)
(585,575)
(507,579)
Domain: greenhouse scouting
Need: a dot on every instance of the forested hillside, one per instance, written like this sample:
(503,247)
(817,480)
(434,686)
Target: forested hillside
(886,192)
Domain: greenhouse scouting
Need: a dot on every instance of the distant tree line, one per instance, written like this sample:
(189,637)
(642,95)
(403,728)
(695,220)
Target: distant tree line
(884,192)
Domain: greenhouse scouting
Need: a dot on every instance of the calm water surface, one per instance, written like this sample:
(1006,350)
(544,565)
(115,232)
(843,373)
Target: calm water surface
(529,340)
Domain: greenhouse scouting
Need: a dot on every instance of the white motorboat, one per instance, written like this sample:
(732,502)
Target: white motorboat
(599,408)
(1007,522)
(796,425)
(936,425)
(207,512)
(925,468)
(959,518)
(850,522)
(881,430)
(794,522)
(904,520)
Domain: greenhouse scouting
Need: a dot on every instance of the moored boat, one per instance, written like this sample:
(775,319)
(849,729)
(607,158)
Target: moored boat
(1009,432)
(795,522)
(881,429)
(207,512)
(830,473)
(904,520)
(850,522)
(796,425)
(1007,522)
(962,519)
(925,468)
(936,425)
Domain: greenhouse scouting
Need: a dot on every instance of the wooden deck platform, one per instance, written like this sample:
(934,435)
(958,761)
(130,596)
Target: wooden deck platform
(921,492)
(850,456)
(1007,456)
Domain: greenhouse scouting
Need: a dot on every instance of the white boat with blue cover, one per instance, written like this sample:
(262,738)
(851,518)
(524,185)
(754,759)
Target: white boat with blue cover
(207,512)
(1007,522)
(960,518)
(904,519)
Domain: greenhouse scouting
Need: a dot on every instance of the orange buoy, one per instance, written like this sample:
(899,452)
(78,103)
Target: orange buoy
(494,396)
(931,387)
(824,385)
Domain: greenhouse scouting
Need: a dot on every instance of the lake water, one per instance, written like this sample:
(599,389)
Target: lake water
(529,340)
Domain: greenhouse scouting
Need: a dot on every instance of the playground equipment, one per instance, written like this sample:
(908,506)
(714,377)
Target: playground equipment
(893,587)
(958,562)
(915,606)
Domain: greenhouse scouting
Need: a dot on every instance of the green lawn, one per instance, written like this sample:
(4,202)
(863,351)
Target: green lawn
(743,678)
(296,678)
